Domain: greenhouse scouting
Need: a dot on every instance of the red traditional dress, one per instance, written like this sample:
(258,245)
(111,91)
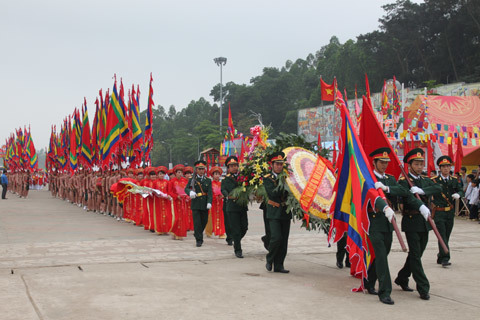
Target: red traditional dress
(163,208)
(177,192)
(139,216)
(148,207)
(217,209)
(128,207)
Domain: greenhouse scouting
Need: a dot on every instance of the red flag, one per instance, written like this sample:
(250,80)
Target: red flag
(242,151)
(372,137)
(431,159)
(450,148)
(458,155)
(367,87)
(327,91)
(319,142)
(230,122)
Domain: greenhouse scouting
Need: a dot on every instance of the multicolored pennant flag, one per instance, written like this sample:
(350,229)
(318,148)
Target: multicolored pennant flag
(31,153)
(73,148)
(112,130)
(94,137)
(86,154)
(355,189)
(230,123)
(148,124)
(136,130)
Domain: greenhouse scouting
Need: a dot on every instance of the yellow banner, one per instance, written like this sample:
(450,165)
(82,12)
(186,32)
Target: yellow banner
(310,191)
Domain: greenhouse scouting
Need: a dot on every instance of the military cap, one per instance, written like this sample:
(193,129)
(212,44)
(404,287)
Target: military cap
(276,157)
(381,154)
(231,160)
(414,154)
(200,164)
(444,160)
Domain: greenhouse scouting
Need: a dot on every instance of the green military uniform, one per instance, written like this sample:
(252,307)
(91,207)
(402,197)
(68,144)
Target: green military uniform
(203,190)
(342,252)
(226,221)
(416,229)
(278,219)
(380,234)
(266,237)
(237,215)
(444,208)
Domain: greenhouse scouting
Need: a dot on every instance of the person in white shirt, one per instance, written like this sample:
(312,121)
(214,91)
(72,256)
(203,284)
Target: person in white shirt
(473,200)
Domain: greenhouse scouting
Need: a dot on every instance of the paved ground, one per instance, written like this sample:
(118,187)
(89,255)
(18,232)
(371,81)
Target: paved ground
(59,262)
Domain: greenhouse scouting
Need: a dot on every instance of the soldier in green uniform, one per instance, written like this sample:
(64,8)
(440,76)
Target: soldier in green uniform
(380,231)
(414,223)
(444,205)
(199,188)
(237,214)
(342,252)
(277,216)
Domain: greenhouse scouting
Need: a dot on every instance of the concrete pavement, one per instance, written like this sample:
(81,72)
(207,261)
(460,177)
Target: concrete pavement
(58,261)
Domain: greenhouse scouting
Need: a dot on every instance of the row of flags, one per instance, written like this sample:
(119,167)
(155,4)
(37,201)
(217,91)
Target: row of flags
(114,140)
(20,153)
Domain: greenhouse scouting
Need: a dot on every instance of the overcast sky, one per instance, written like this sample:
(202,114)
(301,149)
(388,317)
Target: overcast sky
(54,53)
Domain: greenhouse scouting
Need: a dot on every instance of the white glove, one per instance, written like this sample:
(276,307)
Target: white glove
(425,211)
(193,195)
(379,185)
(455,196)
(389,213)
(416,189)
(209,206)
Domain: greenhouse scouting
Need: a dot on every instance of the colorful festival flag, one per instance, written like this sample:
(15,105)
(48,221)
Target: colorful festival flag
(355,189)
(148,142)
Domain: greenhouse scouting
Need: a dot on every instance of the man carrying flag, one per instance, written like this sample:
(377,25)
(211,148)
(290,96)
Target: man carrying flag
(356,194)
(380,231)
(414,223)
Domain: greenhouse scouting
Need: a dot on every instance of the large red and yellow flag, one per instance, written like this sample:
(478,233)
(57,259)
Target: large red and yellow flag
(327,90)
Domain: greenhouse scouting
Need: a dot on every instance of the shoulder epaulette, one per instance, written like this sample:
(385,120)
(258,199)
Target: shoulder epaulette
(228,175)
(267,175)
(389,175)
(402,178)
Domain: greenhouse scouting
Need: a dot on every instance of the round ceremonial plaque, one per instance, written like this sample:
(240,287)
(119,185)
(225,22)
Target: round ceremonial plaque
(302,164)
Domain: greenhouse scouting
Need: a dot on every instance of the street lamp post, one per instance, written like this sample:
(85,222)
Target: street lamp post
(170,164)
(221,61)
(198,144)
